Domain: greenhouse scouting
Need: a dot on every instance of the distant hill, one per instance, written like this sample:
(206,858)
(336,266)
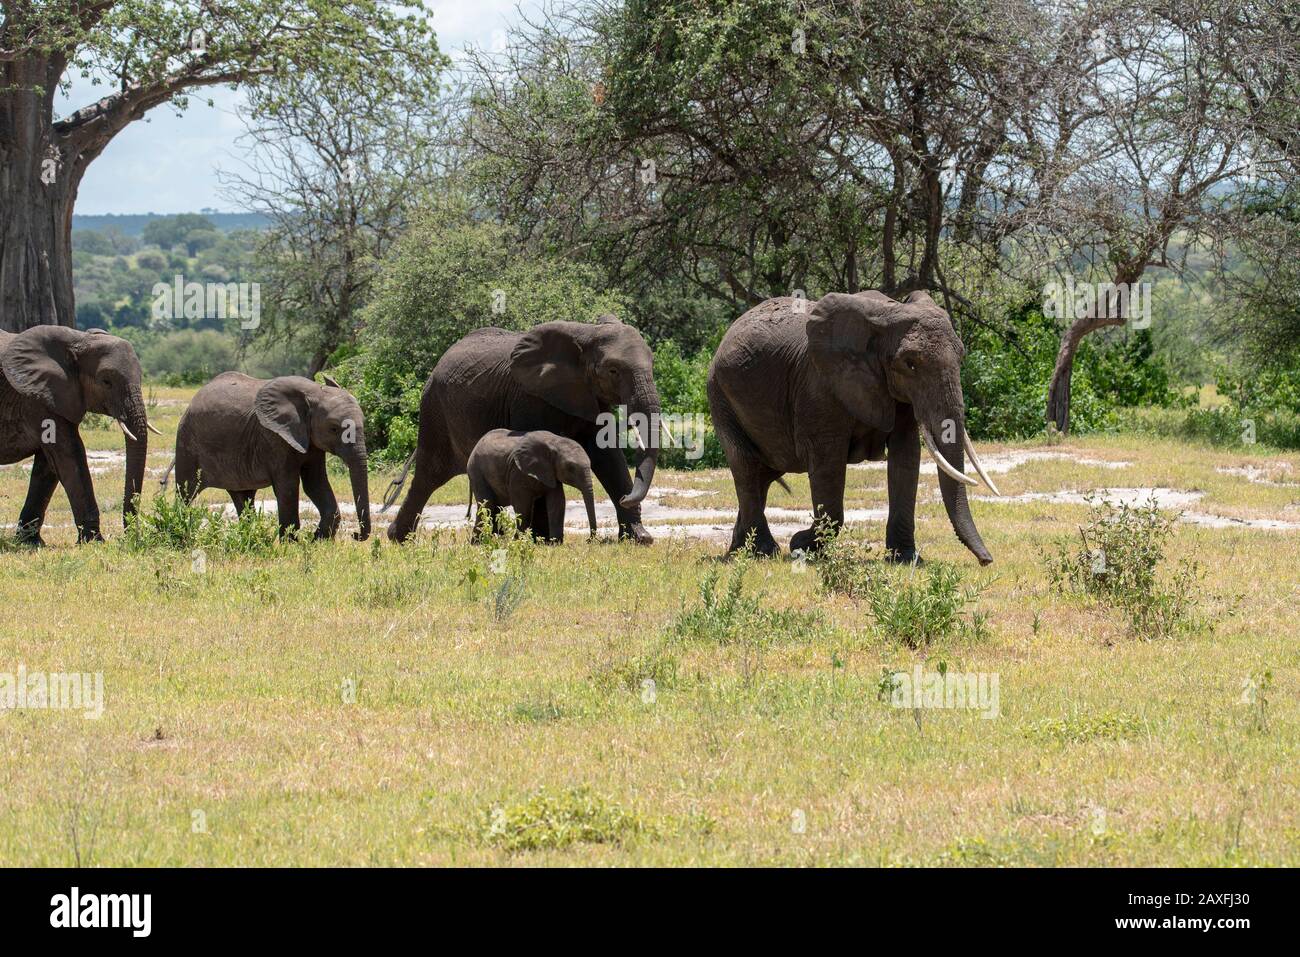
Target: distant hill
(131,224)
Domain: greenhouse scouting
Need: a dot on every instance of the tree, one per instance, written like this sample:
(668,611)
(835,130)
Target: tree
(337,168)
(153,54)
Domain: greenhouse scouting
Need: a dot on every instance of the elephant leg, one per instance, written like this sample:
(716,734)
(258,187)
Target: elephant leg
(286,501)
(188,480)
(826,478)
(753,480)
(435,464)
(610,469)
(903,469)
(39,492)
(548,516)
(481,494)
(316,483)
(243,501)
(69,460)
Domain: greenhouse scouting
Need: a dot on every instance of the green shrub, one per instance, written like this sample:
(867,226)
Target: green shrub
(169,523)
(1006,384)
(188,357)
(1107,726)
(1117,560)
(545,821)
(727,615)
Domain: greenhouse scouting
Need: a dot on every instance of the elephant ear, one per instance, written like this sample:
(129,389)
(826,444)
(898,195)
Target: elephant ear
(41,363)
(846,340)
(547,362)
(281,406)
(532,459)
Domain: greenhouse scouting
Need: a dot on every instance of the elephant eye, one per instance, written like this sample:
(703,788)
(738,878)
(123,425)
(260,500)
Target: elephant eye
(911,366)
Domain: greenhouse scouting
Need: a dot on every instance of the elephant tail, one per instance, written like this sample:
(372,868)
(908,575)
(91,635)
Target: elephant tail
(780,480)
(162,482)
(395,486)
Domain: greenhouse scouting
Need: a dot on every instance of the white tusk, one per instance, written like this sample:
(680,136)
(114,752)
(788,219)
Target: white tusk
(151,427)
(125,430)
(947,469)
(672,440)
(975,461)
(636,435)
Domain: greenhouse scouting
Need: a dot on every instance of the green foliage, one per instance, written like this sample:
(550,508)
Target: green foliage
(447,277)
(1107,726)
(168,523)
(546,821)
(1117,559)
(728,616)
(168,232)
(912,604)
(188,356)
(1006,383)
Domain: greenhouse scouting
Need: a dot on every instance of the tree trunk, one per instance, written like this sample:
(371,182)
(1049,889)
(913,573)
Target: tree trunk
(38,186)
(1058,390)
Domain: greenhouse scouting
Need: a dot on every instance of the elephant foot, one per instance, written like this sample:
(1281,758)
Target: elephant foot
(29,540)
(811,540)
(903,557)
(762,546)
(85,536)
(636,532)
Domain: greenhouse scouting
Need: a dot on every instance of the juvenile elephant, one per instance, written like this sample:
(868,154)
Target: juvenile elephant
(527,471)
(242,434)
(855,377)
(50,377)
(558,377)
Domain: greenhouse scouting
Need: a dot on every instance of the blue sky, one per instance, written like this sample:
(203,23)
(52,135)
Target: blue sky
(168,164)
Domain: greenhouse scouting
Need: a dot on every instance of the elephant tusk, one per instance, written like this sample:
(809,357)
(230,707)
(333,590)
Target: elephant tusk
(946,468)
(636,437)
(151,428)
(975,461)
(125,431)
(672,439)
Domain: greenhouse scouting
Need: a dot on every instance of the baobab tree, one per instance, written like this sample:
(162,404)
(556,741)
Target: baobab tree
(150,54)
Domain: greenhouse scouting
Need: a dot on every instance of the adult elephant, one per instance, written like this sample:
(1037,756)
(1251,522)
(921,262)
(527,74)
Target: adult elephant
(855,377)
(559,377)
(50,377)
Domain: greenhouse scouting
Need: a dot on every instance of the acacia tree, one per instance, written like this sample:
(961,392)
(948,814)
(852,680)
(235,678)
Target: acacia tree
(150,53)
(337,168)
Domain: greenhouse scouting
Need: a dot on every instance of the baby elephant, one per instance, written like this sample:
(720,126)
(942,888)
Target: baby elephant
(242,434)
(525,470)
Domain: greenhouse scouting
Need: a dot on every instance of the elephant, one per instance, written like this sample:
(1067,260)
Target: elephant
(857,376)
(527,470)
(50,377)
(243,434)
(561,377)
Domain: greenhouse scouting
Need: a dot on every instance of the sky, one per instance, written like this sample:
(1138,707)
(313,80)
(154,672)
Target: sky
(167,163)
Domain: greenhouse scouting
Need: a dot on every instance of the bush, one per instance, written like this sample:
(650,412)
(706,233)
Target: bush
(1117,559)
(188,357)
(729,616)
(446,278)
(911,604)
(169,523)
(1006,384)
(576,816)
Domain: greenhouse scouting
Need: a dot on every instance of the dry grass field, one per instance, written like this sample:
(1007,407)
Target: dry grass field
(444,703)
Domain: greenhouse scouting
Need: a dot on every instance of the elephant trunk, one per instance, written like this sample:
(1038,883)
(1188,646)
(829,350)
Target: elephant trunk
(643,412)
(954,492)
(360,475)
(589,500)
(136,420)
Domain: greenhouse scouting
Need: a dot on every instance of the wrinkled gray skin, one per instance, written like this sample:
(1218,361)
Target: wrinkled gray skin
(795,388)
(527,471)
(50,377)
(557,377)
(243,434)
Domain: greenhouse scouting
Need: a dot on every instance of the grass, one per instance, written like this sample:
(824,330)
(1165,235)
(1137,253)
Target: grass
(358,703)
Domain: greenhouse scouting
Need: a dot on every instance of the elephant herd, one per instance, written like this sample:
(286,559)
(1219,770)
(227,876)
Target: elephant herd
(793,387)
